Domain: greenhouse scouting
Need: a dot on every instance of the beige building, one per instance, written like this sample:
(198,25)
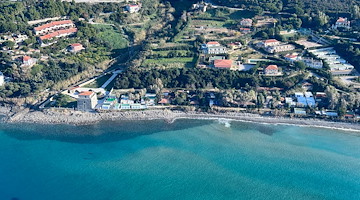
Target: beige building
(86,101)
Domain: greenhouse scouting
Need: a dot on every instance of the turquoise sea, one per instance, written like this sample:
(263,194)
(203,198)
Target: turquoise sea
(189,159)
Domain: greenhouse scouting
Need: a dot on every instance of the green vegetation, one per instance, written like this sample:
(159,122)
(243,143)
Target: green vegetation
(98,82)
(111,36)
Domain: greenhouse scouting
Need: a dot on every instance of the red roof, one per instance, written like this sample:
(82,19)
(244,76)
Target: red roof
(58,33)
(51,24)
(245,29)
(26,58)
(223,63)
(86,93)
(133,5)
(270,41)
(213,43)
(272,67)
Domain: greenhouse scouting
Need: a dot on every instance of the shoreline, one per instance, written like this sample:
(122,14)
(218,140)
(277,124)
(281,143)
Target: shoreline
(76,118)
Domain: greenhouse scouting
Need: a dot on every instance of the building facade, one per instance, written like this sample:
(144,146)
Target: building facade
(86,101)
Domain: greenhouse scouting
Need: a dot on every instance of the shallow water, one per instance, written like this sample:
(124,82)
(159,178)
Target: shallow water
(189,159)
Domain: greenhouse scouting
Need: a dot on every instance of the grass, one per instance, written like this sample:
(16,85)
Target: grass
(112,36)
(165,53)
(98,82)
(169,60)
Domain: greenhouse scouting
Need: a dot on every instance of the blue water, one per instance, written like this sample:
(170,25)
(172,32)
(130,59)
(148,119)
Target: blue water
(189,159)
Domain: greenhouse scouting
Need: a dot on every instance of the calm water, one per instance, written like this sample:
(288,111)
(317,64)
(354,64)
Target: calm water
(190,159)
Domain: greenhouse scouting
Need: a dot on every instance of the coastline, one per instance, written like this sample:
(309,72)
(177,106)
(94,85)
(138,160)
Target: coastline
(86,118)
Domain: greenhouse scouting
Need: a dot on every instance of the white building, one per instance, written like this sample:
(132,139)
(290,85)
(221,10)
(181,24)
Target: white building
(214,48)
(280,48)
(133,8)
(2,79)
(313,63)
(342,23)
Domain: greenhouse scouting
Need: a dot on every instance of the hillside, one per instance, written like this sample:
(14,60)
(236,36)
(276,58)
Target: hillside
(323,5)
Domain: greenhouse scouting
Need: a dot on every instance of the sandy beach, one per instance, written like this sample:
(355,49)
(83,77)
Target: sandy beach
(85,118)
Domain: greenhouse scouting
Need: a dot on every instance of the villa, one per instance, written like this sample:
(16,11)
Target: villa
(133,8)
(214,48)
(76,47)
(342,23)
(27,61)
(223,64)
(271,70)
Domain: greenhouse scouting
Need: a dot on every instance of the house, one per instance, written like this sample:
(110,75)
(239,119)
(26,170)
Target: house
(342,23)
(28,61)
(245,30)
(76,47)
(246,22)
(269,43)
(86,101)
(234,45)
(214,48)
(133,8)
(271,70)
(223,64)
(291,57)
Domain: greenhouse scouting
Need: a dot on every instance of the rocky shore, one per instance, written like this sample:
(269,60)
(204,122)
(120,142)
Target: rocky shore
(83,118)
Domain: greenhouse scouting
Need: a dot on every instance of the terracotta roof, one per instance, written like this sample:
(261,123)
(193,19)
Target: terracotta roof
(133,5)
(26,58)
(51,24)
(58,33)
(164,101)
(270,41)
(341,19)
(245,29)
(76,45)
(86,93)
(213,43)
(291,56)
(223,63)
(272,67)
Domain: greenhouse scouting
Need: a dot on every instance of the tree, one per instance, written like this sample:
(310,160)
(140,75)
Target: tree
(300,65)
(9,44)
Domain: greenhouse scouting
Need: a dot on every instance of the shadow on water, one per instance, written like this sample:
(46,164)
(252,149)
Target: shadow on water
(265,129)
(107,131)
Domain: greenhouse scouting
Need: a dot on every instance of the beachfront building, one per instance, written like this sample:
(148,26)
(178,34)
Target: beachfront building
(338,65)
(223,64)
(246,22)
(213,48)
(86,101)
(342,22)
(76,47)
